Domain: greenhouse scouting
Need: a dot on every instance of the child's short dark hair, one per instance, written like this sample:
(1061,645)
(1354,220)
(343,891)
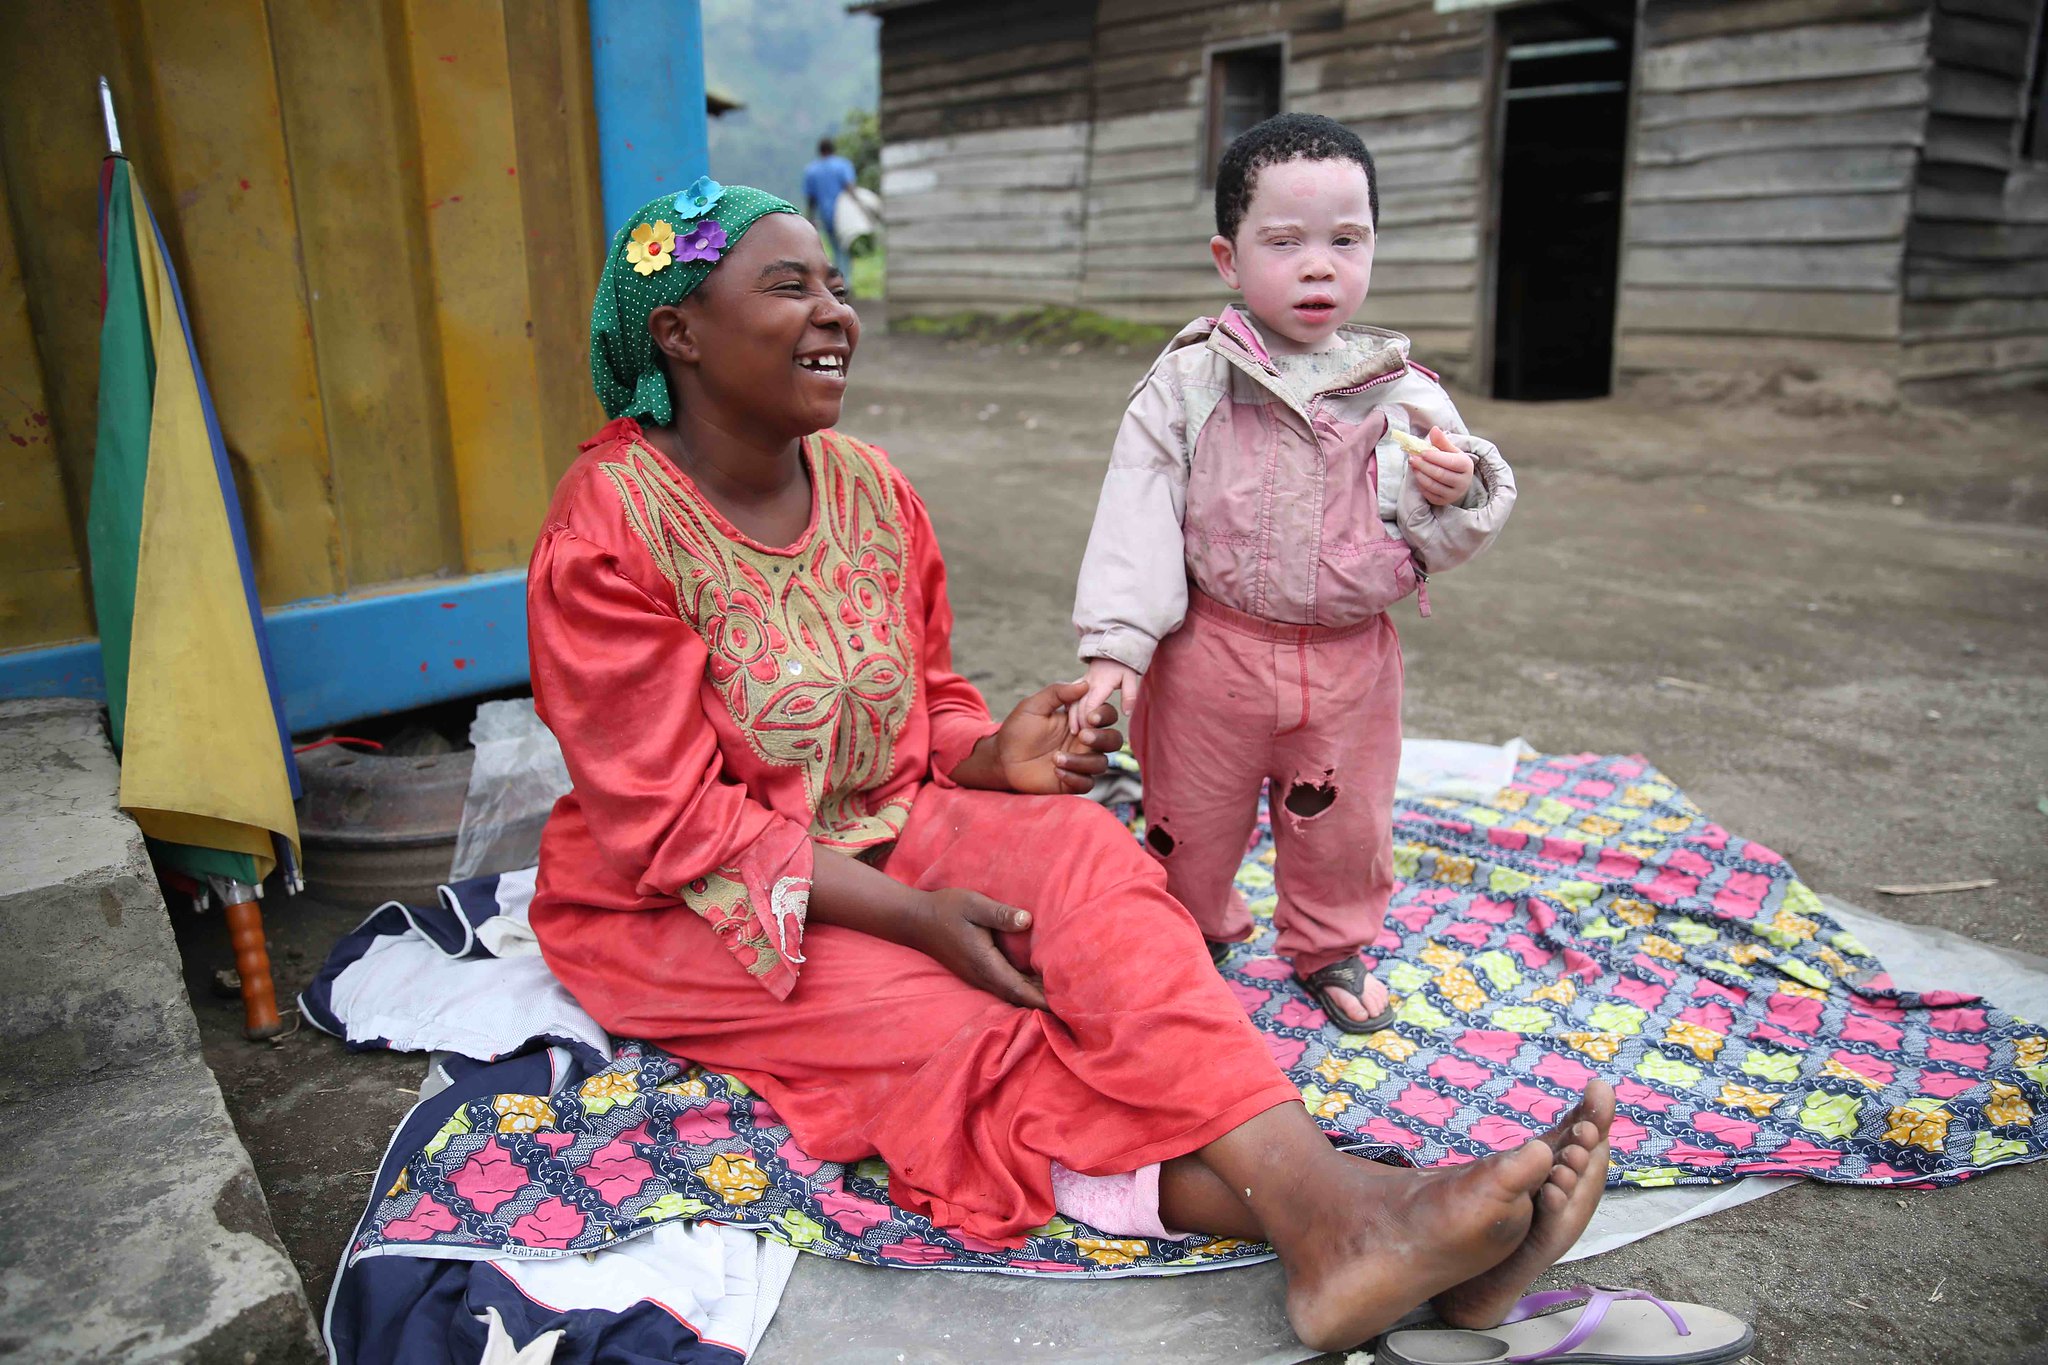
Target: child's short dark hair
(1283,138)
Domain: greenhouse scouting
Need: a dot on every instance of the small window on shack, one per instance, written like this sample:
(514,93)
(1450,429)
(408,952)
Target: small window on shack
(1244,89)
(2034,135)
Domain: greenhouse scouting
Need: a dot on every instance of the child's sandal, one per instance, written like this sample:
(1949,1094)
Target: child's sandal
(1347,974)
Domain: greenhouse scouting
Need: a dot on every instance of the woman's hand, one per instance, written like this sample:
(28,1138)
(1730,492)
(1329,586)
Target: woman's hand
(1036,751)
(954,928)
(957,929)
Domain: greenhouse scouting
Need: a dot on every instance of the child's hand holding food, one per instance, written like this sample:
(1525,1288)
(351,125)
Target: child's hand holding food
(1442,472)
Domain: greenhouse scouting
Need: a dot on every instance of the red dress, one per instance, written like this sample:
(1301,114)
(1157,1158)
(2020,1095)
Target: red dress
(726,706)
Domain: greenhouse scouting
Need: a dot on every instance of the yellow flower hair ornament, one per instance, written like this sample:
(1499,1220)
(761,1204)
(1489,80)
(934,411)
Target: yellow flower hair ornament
(651,247)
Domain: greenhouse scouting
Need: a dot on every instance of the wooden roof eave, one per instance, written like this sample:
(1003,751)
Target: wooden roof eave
(885,6)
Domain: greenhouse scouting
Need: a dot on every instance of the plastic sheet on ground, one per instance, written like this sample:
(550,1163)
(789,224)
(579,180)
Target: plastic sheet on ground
(1456,768)
(518,776)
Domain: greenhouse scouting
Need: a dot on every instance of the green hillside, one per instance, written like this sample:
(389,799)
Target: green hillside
(798,66)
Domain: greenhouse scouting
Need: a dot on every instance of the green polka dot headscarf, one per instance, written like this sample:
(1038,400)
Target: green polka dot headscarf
(659,258)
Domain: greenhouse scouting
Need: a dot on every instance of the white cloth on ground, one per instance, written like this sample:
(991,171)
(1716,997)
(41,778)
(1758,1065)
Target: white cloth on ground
(722,1283)
(409,993)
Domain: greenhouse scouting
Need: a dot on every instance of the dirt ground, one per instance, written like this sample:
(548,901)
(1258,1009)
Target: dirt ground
(1827,622)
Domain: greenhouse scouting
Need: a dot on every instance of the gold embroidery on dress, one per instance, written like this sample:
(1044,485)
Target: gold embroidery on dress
(809,650)
(722,899)
(719,898)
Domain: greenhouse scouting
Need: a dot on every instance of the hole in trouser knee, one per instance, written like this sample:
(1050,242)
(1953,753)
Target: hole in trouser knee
(1307,800)
(1159,840)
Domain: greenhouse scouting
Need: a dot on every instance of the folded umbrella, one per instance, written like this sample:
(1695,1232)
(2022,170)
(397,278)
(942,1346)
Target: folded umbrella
(206,759)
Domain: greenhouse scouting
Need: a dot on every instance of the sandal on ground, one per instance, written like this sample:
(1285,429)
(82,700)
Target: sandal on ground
(1613,1327)
(1219,952)
(1347,974)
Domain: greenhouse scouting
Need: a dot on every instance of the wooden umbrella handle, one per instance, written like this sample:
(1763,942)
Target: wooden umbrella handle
(252,962)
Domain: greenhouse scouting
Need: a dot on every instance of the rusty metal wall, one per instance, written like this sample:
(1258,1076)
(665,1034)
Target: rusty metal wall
(386,219)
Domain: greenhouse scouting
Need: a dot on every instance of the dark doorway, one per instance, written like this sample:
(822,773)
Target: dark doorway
(1563,137)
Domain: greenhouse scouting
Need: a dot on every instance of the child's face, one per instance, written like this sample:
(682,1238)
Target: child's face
(1302,257)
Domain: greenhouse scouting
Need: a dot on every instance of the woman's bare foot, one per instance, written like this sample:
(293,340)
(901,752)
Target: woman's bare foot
(1564,1206)
(1376,1246)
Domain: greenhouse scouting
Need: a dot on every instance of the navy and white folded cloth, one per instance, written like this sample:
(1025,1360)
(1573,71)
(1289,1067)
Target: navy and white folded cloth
(463,975)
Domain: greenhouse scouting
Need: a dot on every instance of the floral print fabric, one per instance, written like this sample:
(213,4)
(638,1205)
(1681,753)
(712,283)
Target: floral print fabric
(1588,920)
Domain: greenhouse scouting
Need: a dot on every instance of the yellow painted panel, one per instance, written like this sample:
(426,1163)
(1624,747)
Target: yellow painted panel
(387,257)
(362,236)
(51,144)
(236,245)
(43,590)
(477,239)
(548,50)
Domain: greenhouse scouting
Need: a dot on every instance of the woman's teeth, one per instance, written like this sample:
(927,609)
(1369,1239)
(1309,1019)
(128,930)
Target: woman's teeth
(824,364)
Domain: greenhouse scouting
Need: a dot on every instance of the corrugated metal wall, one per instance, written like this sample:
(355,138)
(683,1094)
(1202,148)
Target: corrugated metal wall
(385,216)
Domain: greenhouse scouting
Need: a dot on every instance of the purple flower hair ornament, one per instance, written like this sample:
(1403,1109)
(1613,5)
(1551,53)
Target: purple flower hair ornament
(701,242)
(698,200)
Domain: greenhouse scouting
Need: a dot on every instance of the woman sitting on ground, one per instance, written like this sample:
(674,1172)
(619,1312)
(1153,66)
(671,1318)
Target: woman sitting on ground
(800,851)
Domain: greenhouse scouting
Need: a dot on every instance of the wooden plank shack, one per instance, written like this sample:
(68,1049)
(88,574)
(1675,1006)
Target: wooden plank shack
(1057,153)
(1819,183)
(985,119)
(1775,149)
(1408,80)
(1975,308)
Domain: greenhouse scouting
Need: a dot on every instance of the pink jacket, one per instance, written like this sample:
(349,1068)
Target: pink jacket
(1290,511)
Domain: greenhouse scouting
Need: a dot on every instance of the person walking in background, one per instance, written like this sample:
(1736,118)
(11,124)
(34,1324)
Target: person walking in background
(825,179)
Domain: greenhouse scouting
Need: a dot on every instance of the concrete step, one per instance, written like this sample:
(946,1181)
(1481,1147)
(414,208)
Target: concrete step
(131,1224)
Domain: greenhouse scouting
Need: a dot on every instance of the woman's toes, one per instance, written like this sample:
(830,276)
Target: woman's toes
(1563,1178)
(1600,1106)
(1574,1158)
(1528,1167)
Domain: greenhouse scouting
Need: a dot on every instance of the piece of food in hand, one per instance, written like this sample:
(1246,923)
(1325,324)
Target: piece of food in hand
(1414,445)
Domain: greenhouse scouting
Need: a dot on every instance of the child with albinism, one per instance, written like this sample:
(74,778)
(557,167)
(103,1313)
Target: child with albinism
(1270,495)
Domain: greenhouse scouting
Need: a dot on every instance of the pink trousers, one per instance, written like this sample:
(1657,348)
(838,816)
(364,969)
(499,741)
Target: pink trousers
(1232,702)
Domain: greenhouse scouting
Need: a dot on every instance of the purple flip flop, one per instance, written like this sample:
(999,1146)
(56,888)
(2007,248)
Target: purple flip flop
(1613,1327)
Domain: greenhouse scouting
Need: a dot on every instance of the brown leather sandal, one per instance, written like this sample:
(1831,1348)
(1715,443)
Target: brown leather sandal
(1348,974)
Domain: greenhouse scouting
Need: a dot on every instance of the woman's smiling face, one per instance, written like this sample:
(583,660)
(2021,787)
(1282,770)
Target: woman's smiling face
(1303,254)
(770,333)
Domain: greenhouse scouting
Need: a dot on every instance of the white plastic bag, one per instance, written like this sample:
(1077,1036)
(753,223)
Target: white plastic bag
(518,776)
(856,213)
